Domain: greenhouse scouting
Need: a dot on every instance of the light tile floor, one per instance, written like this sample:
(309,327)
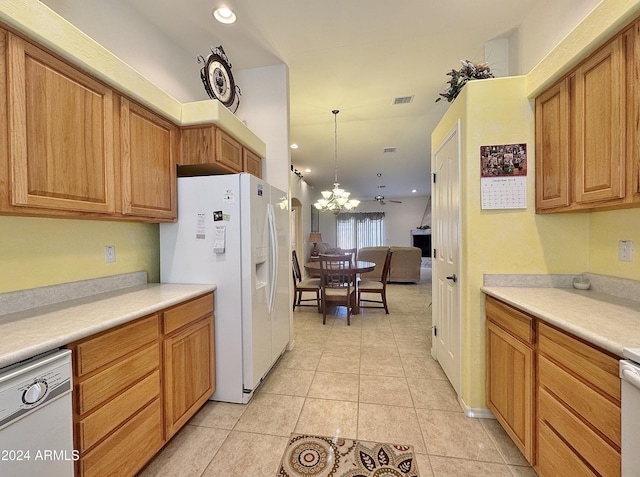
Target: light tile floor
(374,381)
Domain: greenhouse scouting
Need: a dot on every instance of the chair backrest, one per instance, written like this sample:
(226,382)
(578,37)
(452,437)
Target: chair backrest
(387,265)
(351,252)
(295,266)
(336,271)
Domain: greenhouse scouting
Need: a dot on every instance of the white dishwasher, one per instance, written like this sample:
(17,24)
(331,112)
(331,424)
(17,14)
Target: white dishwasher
(36,421)
(630,417)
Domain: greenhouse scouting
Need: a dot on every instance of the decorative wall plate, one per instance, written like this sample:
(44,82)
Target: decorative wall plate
(218,80)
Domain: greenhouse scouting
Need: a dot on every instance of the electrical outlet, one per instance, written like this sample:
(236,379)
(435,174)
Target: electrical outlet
(109,253)
(625,250)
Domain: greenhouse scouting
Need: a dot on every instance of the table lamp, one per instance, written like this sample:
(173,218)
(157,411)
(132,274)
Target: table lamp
(315,238)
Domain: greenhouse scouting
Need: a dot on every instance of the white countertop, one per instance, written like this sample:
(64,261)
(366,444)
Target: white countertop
(606,321)
(27,333)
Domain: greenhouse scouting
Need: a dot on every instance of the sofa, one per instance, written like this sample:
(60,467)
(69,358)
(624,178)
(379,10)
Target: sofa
(405,263)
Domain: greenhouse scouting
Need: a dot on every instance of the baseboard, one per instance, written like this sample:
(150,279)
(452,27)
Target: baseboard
(478,413)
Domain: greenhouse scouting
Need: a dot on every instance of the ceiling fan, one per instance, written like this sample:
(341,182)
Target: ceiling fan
(379,197)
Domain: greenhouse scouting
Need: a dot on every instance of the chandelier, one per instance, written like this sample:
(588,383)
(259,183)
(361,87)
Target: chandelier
(336,200)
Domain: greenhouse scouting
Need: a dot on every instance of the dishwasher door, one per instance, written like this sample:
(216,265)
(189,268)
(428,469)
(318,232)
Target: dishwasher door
(630,447)
(36,421)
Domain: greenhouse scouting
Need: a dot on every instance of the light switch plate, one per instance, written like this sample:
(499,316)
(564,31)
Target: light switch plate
(109,253)
(625,250)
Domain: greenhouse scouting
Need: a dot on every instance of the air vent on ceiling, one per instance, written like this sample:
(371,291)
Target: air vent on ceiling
(390,149)
(403,100)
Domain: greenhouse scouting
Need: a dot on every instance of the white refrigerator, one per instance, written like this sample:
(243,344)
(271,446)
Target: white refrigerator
(232,231)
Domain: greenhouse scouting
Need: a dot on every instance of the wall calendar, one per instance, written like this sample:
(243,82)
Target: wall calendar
(503,181)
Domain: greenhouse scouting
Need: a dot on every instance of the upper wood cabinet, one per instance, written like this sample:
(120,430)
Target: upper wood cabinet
(599,112)
(586,132)
(210,150)
(60,131)
(149,150)
(552,147)
(228,151)
(251,163)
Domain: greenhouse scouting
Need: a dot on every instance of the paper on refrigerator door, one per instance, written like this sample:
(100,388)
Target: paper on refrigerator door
(219,239)
(200,227)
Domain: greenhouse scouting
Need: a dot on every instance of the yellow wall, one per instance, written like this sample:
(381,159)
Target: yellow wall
(607,228)
(36,252)
(519,241)
(502,241)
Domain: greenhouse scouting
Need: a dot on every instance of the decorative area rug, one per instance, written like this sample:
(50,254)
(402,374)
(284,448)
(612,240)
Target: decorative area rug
(318,456)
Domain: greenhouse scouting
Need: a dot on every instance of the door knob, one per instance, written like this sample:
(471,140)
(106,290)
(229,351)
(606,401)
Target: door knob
(453,278)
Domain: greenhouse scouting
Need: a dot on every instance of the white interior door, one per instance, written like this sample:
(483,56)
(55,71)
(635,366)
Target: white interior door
(446,270)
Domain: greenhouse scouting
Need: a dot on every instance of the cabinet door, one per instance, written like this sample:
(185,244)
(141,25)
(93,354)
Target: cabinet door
(60,134)
(189,374)
(198,146)
(251,163)
(552,148)
(510,386)
(600,125)
(633,112)
(149,151)
(228,151)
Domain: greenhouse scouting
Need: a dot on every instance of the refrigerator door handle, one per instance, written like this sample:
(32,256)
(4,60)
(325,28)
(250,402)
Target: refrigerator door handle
(273,257)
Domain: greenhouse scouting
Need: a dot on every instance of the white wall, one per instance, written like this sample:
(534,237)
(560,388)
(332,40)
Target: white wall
(300,190)
(400,219)
(264,108)
(158,58)
(545,26)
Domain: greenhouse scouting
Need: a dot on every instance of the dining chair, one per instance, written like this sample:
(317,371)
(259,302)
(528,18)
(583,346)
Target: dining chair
(338,284)
(351,252)
(376,286)
(300,286)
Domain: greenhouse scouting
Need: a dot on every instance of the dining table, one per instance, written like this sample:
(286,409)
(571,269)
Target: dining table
(357,267)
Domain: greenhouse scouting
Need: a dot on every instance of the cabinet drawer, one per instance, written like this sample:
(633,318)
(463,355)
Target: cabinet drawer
(96,352)
(186,313)
(591,365)
(555,458)
(112,381)
(100,423)
(129,448)
(600,455)
(511,320)
(594,408)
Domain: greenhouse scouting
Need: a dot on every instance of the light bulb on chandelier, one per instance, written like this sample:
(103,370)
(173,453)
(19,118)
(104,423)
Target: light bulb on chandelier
(336,200)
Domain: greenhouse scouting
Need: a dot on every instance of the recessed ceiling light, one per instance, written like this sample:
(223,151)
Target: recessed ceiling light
(414,191)
(224,15)
(307,170)
(294,146)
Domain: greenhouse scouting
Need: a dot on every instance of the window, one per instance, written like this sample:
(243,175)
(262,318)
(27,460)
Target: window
(360,229)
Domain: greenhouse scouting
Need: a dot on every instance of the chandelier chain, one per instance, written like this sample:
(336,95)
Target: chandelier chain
(337,199)
(335,142)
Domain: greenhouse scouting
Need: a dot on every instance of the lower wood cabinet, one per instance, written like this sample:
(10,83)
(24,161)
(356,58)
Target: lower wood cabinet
(137,384)
(557,396)
(189,378)
(510,373)
(579,403)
